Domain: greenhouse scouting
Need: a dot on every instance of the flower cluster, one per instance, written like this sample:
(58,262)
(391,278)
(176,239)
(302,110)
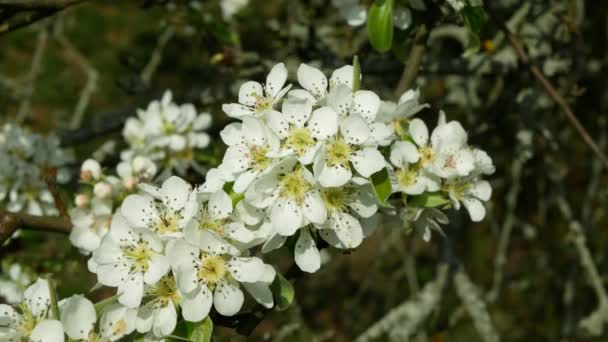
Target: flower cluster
(168,134)
(26,160)
(100,195)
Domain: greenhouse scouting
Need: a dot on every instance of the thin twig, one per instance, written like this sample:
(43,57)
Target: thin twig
(10,222)
(546,85)
(412,65)
(157,55)
(25,106)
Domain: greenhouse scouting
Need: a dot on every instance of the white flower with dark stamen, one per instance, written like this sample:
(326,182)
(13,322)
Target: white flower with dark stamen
(214,217)
(158,313)
(302,130)
(446,154)
(128,258)
(409,177)
(208,277)
(334,163)
(257,99)
(167,213)
(337,93)
(471,193)
(290,196)
(31,320)
(252,150)
(393,116)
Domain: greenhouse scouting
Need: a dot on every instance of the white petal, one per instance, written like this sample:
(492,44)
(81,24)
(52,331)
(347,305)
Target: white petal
(78,317)
(212,243)
(249,92)
(117,321)
(296,111)
(449,138)
(276,79)
(302,94)
(314,209)
(131,290)
(138,210)
(307,255)
(348,230)
(238,232)
(157,268)
(112,274)
(368,161)
(475,208)
(332,176)
(481,190)
(246,269)
(185,277)
(37,297)
(323,123)
(8,315)
(403,152)
(313,80)
(355,130)
(176,192)
(231,134)
(364,202)
(165,320)
(196,304)
(220,205)
(343,75)
(228,299)
(277,122)
(366,104)
(286,217)
(340,99)
(47,331)
(236,110)
(381,133)
(145,317)
(254,131)
(419,132)
(275,242)
(261,293)
(249,214)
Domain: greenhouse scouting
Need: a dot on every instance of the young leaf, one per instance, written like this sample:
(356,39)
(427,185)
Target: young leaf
(356,74)
(203,331)
(429,200)
(99,306)
(282,291)
(382,187)
(474,18)
(380,25)
(53,295)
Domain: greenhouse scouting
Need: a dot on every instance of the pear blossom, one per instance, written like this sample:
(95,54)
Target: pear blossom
(90,225)
(166,212)
(127,258)
(471,194)
(337,93)
(209,277)
(290,195)
(256,99)
(409,177)
(158,314)
(31,319)
(252,150)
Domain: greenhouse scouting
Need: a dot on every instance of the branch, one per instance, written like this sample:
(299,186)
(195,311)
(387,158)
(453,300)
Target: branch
(412,65)
(10,222)
(546,85)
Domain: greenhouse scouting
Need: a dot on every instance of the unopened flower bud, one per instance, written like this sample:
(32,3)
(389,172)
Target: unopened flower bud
(102,190)
(82,200)
(89,170)
(129,182)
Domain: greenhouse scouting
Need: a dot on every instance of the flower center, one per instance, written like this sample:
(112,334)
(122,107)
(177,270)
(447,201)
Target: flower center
(338,152)
(166,223)
(426,155)
(27,322)
(262,104)
(212,269)
(295,186)
(300,140)
(258,157)
(406,178)
(337,199)
(208,222)
(165,291)
(119,327)
(457,190)
(140,255)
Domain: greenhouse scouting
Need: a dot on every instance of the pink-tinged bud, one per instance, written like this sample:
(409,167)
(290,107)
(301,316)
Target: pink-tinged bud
(129,182)
(102,190)
(82,200)
(90,169)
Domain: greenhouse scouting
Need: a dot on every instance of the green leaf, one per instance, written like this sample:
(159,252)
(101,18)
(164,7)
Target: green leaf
(474,18)
(382,187)
(356,74)
(282,291)
(203,331)
(380,25)
(430,200)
